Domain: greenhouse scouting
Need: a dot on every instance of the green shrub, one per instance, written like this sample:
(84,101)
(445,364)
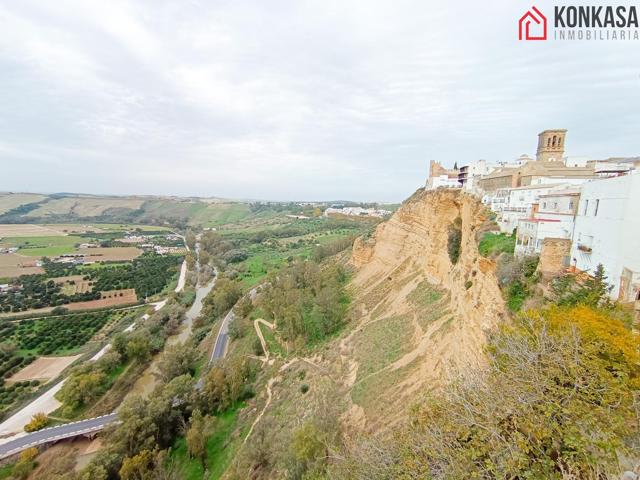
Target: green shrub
(454,240)
(493,244)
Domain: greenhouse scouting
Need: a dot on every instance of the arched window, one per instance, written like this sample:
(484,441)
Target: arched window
(559,141)
(553,142)
(549,142)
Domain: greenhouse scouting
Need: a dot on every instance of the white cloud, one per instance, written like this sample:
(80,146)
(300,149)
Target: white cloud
(310,99)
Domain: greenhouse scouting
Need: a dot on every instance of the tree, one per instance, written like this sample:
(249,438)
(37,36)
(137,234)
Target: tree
(119,343)
(82,387)
(139,346)
(38,422)
(557,400)
(190,239)
(223,297)
(214,392)
(29,454)
(244,306)
(191,262)
(569,290)
(25,465)
(138,467)
(197,435)
(176,360)
(308,450)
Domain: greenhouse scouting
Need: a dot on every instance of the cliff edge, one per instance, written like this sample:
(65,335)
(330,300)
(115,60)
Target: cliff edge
(423,299)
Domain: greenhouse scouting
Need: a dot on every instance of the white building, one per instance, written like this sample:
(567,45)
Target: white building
(607,232)
(357,212)
(519,204)
(552,218)
(497,200)
(442,181)
(469,175)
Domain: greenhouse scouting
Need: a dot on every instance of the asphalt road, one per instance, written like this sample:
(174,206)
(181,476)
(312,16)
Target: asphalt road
(220,347)
(60,432)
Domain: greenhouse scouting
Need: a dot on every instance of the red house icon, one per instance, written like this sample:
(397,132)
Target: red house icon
(532,16)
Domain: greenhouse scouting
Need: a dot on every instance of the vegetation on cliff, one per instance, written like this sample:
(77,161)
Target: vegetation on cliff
(558,400)
(307,301)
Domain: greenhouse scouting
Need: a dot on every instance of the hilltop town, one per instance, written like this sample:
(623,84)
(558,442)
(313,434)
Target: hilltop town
(574,212)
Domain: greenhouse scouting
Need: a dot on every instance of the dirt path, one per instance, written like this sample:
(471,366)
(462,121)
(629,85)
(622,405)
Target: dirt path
(256,325)
(264,409)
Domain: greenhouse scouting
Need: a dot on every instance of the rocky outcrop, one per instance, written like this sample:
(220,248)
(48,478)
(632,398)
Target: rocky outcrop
(391,267)
(418,233)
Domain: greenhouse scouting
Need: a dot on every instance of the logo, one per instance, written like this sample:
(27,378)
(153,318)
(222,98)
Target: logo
(532,25)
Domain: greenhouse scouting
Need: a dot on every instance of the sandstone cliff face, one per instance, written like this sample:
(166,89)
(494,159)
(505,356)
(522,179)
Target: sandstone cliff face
(406,285)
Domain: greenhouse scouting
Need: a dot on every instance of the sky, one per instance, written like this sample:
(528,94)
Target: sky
(292,100)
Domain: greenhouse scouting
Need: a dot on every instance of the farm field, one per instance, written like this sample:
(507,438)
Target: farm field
(45,246)
(110,254)
(38,350)
(113,298)
(73,284)
(43,369)
(57,335)
(13,265)
(111,284)
(10,230)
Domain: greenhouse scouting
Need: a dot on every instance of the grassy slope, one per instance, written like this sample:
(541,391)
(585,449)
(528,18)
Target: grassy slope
(496,243)
(14,200)
(220,449)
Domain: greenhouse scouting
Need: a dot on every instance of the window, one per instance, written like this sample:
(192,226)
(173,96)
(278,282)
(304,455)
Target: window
(571,204)
(586,207)
(597,205)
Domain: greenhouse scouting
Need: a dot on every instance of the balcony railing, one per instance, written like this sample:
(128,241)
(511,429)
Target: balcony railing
(584,248)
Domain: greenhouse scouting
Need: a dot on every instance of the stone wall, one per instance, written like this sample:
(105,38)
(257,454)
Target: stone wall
(553,256)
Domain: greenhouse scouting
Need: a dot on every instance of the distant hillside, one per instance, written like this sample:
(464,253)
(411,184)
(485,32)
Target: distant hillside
(61,208)
(180,212)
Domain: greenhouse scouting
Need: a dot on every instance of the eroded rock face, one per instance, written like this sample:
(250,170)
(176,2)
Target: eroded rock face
(418,232)
(391,268)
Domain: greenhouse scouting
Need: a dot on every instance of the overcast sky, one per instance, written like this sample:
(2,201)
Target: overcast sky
(292,100)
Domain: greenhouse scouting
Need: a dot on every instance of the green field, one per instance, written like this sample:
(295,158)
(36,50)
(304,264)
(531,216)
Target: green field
(220,448)
(123,227)
(43,246)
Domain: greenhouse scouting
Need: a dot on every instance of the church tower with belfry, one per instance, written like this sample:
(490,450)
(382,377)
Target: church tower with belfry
(551,145)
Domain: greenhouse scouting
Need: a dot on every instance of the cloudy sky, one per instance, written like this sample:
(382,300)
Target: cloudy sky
(292,99)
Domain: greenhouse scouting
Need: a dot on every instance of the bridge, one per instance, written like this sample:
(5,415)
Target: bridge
(55,434)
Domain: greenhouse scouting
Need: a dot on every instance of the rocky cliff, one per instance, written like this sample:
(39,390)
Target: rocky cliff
(421,316)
